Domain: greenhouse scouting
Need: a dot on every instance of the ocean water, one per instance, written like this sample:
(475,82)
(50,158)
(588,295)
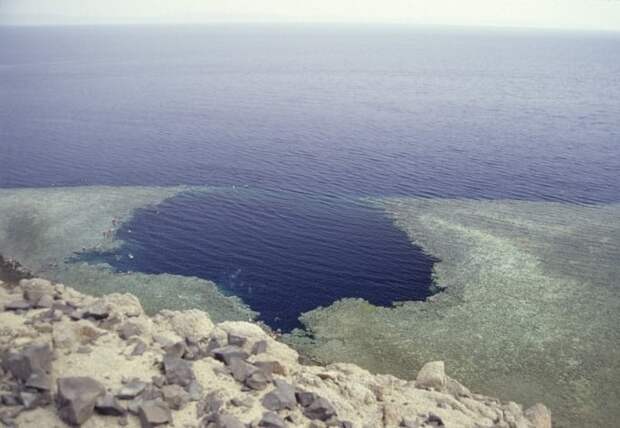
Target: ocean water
(286,132)
(318,110)
(281,254)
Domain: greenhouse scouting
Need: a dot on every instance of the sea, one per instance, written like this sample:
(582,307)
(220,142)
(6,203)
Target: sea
(294,129)
(301,123)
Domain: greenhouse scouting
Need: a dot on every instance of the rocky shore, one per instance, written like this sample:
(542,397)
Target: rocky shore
(69,359)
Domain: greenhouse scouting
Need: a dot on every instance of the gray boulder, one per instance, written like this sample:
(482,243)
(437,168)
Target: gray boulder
(151,392)
(259,347)
(139,348)
(39,381)
(195,391)
(252,376)
(305,398)
(9,399)
(46,301)
(154,413)
(129,329)
(76,398)
(227,421)
(213,344)
(178,371)
(31,399)
(320,409)
(108,405)
(175,349)
(282,397)
(240,369)
(97,310)
(258,380)
(210,404)
(236,340)
(175,396)
(131,389)
(271,420)
(228,353)
(18,305)
(35,358)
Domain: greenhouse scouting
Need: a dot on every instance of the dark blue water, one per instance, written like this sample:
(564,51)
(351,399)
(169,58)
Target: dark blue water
(282,254)
(307,119)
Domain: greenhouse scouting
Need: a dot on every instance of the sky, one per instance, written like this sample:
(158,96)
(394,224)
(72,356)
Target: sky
(562,14)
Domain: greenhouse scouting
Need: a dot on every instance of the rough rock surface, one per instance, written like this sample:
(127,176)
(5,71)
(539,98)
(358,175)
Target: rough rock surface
(76,398)
(70,359)
(432,376)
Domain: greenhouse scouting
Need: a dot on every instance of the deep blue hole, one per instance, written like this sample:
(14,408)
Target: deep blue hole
(282,253)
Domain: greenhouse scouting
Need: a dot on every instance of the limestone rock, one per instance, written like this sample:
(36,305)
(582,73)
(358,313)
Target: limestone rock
(77,397)
(124,305)
(190,323)
(455,388)
(391,415)
(272,367)
(432,376)
(339,395)
(539,416)
(71,334)
(46,301)
(251,332)
(139,348)
(34,289)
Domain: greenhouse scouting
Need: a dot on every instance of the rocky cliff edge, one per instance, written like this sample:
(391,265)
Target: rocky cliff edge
(69,359)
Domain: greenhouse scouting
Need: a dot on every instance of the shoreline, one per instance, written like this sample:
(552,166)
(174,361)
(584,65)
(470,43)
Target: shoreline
(74,359)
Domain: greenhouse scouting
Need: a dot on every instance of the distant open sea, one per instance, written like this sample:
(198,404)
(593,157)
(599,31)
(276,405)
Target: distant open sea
(300,124)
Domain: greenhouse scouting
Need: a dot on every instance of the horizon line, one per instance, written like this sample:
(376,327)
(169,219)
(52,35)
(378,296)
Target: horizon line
(310,23)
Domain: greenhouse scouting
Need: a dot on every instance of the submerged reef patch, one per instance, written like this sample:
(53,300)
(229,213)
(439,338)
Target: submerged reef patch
(530,309)
(45,229)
